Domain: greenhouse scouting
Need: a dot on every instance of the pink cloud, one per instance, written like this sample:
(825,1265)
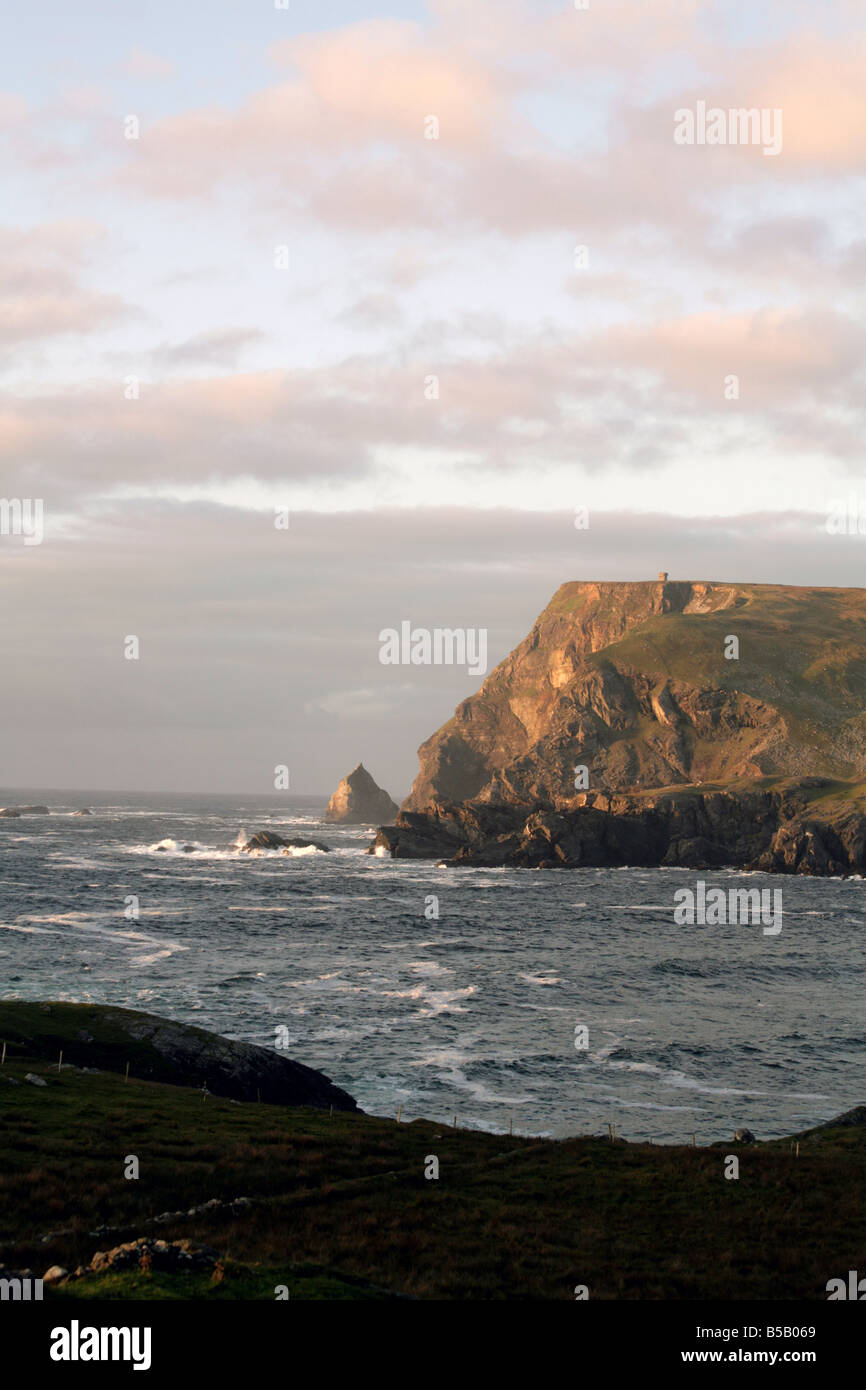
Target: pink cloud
(348,90)
(779,356)
(819,86)
(41,295)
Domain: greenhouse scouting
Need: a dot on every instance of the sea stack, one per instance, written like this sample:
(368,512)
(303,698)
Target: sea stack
(358,801)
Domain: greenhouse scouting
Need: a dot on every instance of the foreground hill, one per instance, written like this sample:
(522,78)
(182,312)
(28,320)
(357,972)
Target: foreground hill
(714,723)
(338,1206)
(158,1049)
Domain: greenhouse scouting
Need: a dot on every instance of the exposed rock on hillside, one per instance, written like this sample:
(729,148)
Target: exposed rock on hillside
(359,801)
(159,1049)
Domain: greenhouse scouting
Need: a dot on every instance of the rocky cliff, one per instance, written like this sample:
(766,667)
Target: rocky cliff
(666,722)
(359,801)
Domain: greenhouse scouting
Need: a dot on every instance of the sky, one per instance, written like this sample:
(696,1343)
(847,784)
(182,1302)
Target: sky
(429,281)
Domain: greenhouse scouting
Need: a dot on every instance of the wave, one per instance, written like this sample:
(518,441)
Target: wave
(172,848)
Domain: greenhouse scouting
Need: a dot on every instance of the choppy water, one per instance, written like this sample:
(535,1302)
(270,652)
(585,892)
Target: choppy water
(691,1029)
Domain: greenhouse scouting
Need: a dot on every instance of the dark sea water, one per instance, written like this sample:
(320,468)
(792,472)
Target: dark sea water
(691,1029)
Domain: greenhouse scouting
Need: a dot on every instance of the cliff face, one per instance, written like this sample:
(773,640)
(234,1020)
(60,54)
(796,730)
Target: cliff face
(716,723)
(632,682)
(359,801)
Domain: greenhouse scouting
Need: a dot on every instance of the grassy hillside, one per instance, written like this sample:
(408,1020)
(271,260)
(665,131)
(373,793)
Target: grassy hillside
(341,1208)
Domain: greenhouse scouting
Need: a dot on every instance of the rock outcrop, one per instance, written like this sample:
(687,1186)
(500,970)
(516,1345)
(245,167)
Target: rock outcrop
(153,1256)
(24,811)
(678,723)
(791,828)
(267,839)
(158,1049)
(359,801)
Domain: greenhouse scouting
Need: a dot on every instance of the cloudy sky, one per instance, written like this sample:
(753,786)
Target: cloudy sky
(433,277)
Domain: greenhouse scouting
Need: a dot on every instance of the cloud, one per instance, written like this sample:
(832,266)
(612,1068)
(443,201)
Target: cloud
(349,89)
(780,356)
(503,409)
(219,347)
(362,704)
(818,84)
(41,294)
(375,310)
(68,443)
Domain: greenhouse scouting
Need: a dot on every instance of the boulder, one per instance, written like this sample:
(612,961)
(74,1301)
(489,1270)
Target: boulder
(744,1136)
(169,1255)
(359,801)
(267,839)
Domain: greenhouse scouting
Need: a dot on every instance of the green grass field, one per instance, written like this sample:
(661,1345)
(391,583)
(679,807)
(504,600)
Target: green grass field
(342,1209)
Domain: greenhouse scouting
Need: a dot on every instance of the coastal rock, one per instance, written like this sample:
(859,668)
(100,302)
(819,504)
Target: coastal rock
(266,839)
(25,811)
(359,801)
(748,828)
(744,1136)
(82,813)
(159,1049)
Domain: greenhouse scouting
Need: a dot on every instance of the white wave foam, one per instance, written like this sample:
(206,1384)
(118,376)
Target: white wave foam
(645,1104)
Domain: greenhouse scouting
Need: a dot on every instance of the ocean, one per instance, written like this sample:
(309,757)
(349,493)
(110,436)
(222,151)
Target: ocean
(471,1013)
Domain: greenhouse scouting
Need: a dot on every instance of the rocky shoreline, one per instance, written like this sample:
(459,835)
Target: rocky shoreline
(774,829)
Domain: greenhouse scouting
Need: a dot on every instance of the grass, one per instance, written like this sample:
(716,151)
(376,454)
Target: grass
(342,1208)
(238,1283)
